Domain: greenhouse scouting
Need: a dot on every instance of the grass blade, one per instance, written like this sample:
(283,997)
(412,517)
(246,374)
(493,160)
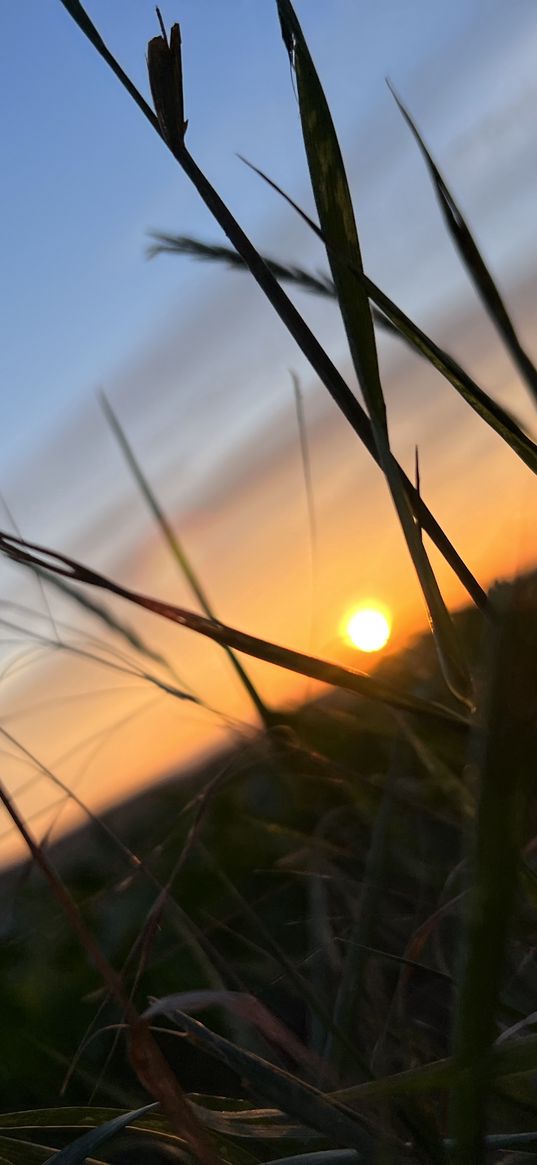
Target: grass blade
(291,1095)
(351,985)
(336,215)
(338,226)
(178,552)
(166,244)
(78,1152)
(497,417)
(31,554)
(507,772)
(473,260)
(19,1152)
(386,315)
(324,1157)
(108,618)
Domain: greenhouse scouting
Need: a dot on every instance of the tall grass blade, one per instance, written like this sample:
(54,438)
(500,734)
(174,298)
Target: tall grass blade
(336,217)
(166,244)
(291,1095)
(350,993)
(386,315)
(79,1151)
(108,618)
(493,413)
(507,764)
(473,260)
(31,554)
(179,553)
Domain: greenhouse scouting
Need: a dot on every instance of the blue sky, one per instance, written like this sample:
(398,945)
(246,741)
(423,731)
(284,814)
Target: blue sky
(85,178)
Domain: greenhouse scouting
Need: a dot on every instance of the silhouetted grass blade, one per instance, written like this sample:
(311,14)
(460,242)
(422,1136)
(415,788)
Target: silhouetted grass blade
(506,763)
(31,554)
(336,215)
(386,315)
(181,557)
(338,226)
(473,260)
(497,417)
(166,244)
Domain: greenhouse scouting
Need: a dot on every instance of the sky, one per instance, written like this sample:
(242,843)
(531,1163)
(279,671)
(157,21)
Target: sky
(198,368)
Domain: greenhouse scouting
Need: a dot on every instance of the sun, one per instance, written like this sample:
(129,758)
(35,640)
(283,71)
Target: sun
(368,627)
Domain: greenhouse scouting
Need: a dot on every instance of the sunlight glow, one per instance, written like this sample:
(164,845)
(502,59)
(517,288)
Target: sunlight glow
(368,628)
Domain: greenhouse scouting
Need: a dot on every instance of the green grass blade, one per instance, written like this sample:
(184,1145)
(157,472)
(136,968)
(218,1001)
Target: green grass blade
(473,261)
(180,556)
(336,215)
(507,764)
(82,1117)
(291,1095)
(19,1152)
(324,1157)
(338,226)
(78,1152)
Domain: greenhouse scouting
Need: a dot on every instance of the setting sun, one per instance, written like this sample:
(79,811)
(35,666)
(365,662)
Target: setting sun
(368,628)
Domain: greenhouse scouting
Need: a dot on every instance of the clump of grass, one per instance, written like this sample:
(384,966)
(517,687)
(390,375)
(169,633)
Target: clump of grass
(357,890)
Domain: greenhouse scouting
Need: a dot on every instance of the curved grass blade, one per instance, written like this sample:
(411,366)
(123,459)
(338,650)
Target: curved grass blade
(250,1010)
(291,1095)
(324,1157)
(31,554)
(297,327)
(514,1058)
(336,215)
(338,226)
(497,417)
(473,260)
(129,634)
(386,314)
(89,1117)
(19,1152)
(507,764)
(79,1151)
(166,244)
(179,553)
